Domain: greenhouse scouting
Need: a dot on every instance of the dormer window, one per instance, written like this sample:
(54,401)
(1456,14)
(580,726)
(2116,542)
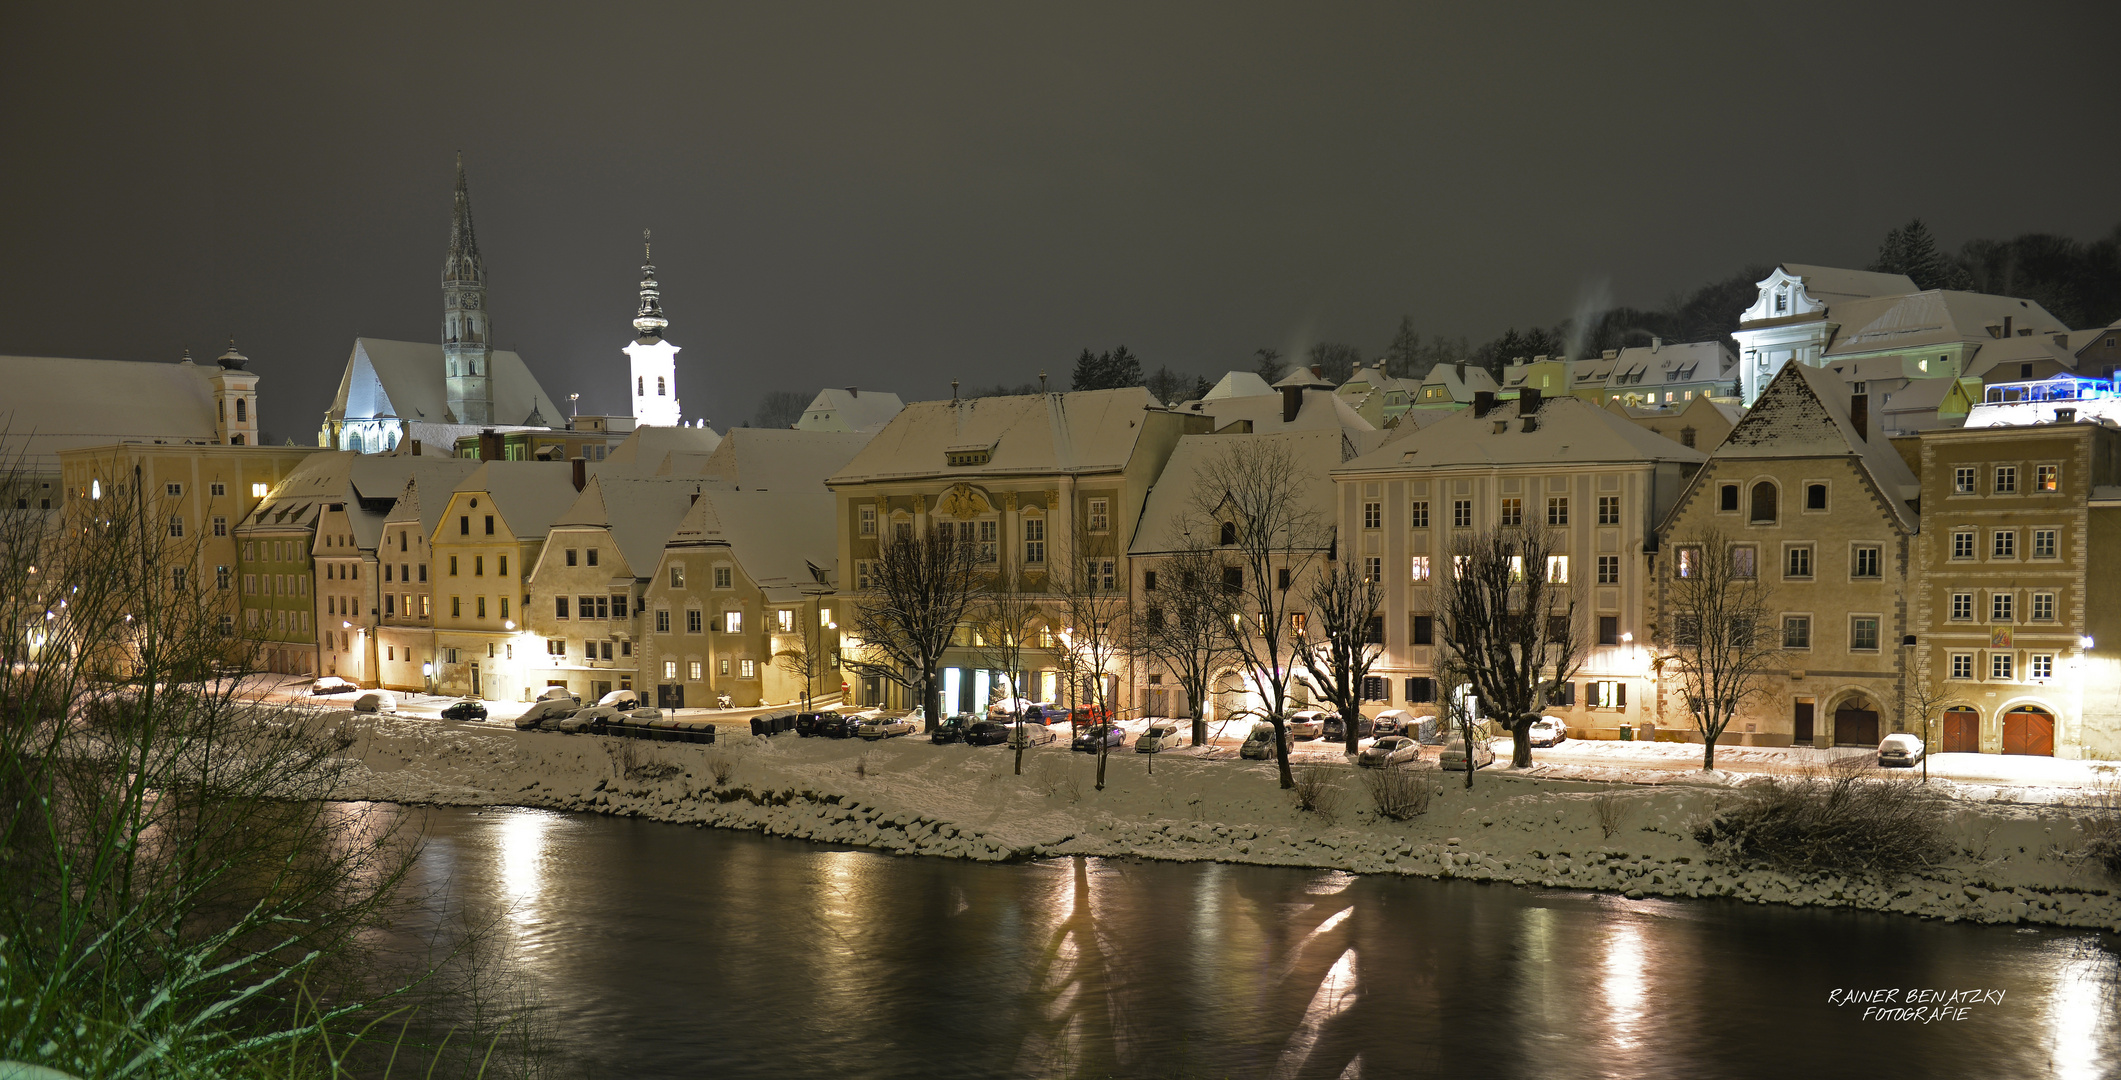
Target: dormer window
(1782,300)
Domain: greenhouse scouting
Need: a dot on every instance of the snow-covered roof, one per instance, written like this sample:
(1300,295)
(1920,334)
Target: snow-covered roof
(1238,384)
(1565,429)
(1373,378)
(646,450)
(1461,381)
(851,409)
(405,380)
(530,495)
(776,536)
(437,477)
(1084,431)
(2009,351)
(59,403)
(1319,410)
(772,459)
(638,513)
(1804,412)
(1167,512)
(1936,317)
(1829,284)
(1304,376)
(1693,361)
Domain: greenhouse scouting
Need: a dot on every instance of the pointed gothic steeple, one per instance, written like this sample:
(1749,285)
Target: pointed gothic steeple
(649,322)
(463,263)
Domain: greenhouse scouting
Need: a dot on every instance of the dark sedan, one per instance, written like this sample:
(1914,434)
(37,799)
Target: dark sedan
(1111,735)
(1336,731)
(834,726)
(808,724)
(986,733)
(952,729)
(465,710)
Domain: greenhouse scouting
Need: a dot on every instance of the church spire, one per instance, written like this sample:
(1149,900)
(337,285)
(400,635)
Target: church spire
(463,263)
(649,321)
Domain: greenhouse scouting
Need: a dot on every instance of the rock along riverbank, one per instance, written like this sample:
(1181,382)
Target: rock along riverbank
(2012,863)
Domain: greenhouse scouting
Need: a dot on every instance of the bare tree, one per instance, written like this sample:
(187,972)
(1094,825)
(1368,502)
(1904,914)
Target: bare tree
(1922,701)
(1510,623)
(806,656)
(1180,624)
(1004,625)
(1254,499)
(908,617)
(1342,637)
(780,409)
(1720,638)
(1093,604)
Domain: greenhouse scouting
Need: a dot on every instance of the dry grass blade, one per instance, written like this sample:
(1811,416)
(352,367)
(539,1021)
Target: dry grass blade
(1612,808)
(1397,793)
(1316,792)
(1844,823)
(2102,832)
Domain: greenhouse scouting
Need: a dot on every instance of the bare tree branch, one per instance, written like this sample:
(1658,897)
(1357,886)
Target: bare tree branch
(1719,635)
(1510,621)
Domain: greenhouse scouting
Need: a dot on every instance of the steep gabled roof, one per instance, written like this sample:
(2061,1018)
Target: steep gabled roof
(776,536)
(425,493)
(405,379)
(638,513)
(1081,432)
(1238,384)
(1937,317)
(1166,511)
(851,409)
(1318,411)
(1566,431)
(1804,412)
(773,459)
(646,450)
(530,495)
(1829,284)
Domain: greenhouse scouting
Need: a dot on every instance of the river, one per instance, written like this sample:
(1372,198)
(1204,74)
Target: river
(669,951)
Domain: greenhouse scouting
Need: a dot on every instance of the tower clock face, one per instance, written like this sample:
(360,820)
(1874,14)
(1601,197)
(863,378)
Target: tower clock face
(471,302)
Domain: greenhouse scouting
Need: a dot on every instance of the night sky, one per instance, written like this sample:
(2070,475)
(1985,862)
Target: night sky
(896,196)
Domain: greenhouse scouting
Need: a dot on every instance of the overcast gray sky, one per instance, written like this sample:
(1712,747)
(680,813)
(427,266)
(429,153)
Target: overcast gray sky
(895,196)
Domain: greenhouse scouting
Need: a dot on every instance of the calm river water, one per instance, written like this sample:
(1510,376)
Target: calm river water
(669,951)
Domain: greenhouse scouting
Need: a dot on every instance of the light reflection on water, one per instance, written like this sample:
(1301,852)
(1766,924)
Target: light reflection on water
(669,951)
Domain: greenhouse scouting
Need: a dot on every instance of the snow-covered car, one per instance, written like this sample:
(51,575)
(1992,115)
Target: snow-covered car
(376,701)
(1259,745)
(885,727)
(1306,724)
(332,684)
(622,700)
(1106,735)
(857,721)
(1029,734)
(1159,736)
(1453,758)
(554,709)
(1008,707)
(645,714)
(1549,730)
(1899,750)
(1389,751)
(1332,729)
(1393,722)
(556,693)
(576,724)
(467,709)
(595,716)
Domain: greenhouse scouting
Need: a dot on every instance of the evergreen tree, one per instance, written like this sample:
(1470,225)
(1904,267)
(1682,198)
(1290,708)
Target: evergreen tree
(1090,371)
(1201,386)
(1912,250)
(1403,356)
(1122,368)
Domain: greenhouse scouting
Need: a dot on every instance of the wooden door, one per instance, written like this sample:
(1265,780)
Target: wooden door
(1962,731)
(1802,730)
(1855,727)
(2029,731)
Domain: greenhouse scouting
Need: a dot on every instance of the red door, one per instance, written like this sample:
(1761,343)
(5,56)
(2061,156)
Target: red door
(1962,731)
(1855,727)
(1801,726)
(2030,731)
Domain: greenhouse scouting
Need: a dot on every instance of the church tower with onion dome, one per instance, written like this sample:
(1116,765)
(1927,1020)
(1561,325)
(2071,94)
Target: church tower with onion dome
(654,360)
(467,338)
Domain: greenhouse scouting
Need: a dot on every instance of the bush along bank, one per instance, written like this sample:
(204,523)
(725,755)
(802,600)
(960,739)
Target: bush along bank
(1990,862)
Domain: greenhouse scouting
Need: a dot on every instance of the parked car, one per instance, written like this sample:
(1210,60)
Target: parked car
(886,727)
(645,714)
(986,733)
(808,724)
(952,729)
(1333,731)
(1259,745)
(467,709)
(1084,715)
(1045,712)
(1453,757)
(833,725)
(1009,707)
(1029,734)
(555,709)
(857,721)
(1159,736)
(555,693)
(1549,730)
(919,716)
(1108,735)
(376,701)
(332,684)
(593,716)
(1306,723)
(622,700)
(1899,750)
(1393,722)
(578,723)
(1388,751)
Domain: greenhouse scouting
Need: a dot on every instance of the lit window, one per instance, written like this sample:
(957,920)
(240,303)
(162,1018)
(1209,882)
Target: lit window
(1513,511)
(748,669)
(732,622)
(670,671)
(1558,569)
(1420,571)
(1689,560)
(695,671)
(2047,478)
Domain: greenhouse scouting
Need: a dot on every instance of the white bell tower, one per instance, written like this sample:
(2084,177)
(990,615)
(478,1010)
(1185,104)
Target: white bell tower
(654,360)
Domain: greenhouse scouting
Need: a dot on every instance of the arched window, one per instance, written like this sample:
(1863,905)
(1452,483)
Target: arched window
(1763,502)
(1229,533)
(242,410)
(640,386)
(659,386)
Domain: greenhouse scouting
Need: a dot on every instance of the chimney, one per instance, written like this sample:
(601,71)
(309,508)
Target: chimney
(1461,366)
(2006,326)
(1860,415)
(1656,343)
(1292,402)
(1318,371)
(1528,402)
(490,448)
(581,472)
(854,392)
(2065,416)
(1483,402)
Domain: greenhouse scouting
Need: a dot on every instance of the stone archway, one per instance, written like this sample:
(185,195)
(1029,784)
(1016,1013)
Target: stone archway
(2029,730)
(1856,721)
(1961,733)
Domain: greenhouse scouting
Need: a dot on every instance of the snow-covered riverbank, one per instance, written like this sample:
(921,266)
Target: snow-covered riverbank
(2013,861)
